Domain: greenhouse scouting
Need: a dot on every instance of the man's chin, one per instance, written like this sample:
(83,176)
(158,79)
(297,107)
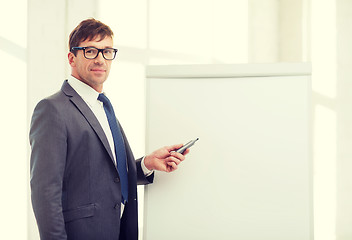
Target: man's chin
(99,80)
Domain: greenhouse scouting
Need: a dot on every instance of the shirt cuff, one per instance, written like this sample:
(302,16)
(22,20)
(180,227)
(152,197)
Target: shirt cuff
(146,171)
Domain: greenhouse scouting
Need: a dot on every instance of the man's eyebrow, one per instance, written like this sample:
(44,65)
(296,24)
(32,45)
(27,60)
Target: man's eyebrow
(99,48)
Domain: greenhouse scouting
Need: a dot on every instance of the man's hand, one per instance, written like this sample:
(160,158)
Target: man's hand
(165,159)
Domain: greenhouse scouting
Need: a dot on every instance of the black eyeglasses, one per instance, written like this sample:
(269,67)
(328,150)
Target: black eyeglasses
(92,52)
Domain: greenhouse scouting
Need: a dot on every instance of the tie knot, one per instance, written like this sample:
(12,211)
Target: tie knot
(106,103)
(103,98)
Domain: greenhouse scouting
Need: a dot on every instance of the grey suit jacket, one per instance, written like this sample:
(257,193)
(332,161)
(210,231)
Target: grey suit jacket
(75,187)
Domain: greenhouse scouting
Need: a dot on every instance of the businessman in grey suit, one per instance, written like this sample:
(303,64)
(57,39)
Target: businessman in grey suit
(83,174)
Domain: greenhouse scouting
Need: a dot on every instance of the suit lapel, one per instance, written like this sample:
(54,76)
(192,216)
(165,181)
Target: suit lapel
(88,114)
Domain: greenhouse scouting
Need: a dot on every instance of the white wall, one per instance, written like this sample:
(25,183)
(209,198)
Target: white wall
(277,31)
(13,170)
(325,115)
(344,120)
(263,31)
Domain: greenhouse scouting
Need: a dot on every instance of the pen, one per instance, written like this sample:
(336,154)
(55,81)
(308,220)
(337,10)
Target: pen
(187,145)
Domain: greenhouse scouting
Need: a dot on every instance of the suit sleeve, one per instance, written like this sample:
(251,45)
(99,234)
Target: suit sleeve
(141,178)
(48,156)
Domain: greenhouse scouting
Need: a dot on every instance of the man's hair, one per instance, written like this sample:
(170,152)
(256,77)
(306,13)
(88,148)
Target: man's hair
(88,29)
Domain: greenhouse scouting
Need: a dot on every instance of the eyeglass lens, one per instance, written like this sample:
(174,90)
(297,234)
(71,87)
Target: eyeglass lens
(108,53)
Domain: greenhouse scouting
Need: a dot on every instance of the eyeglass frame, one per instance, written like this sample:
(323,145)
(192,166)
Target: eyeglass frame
(99,50)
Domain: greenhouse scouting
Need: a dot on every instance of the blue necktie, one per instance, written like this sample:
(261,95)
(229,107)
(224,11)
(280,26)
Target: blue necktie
(120,150)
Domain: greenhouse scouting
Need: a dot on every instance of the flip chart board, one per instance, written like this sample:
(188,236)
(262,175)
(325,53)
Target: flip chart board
(250,174)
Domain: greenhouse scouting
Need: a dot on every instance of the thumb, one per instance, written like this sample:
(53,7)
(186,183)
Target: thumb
(174,147)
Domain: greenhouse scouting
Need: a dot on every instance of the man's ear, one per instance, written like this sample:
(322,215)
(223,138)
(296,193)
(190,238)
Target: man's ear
(71,59)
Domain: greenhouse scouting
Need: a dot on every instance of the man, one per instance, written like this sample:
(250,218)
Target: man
(83,174)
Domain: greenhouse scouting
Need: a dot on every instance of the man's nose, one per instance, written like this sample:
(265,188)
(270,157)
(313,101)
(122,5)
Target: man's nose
(100,58)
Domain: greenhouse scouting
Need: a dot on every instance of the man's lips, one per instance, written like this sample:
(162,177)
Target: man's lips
(98,70)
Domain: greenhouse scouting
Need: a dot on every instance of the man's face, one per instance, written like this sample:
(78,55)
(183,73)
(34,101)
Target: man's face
(93,72)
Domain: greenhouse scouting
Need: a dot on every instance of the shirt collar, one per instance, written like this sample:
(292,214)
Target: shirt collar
(85,91)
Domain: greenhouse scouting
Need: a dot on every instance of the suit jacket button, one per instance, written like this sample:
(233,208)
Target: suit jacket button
(117,180)
(117,206)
